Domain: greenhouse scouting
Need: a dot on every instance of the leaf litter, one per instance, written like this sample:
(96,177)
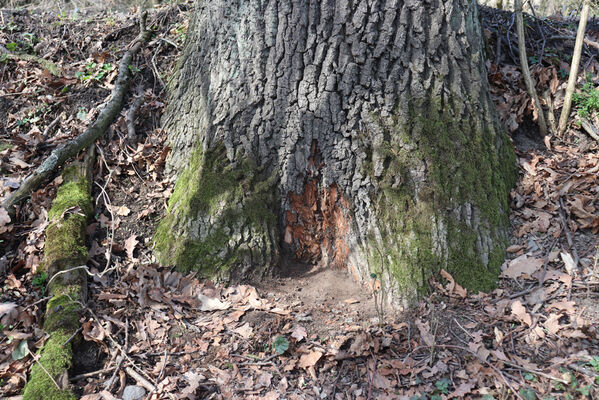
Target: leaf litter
(533,337)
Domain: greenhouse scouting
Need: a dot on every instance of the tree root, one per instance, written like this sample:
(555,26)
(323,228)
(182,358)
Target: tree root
(106,117)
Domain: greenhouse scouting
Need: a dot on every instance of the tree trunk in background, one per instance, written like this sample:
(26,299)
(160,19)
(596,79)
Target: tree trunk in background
(355,134)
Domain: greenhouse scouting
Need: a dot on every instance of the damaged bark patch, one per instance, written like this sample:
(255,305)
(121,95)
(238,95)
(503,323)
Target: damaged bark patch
(317,224)
(65,249)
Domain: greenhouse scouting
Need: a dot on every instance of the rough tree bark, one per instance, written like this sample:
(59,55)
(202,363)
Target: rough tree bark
(355,134)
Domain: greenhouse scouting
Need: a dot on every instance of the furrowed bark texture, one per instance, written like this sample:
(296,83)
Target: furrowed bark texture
(358,134)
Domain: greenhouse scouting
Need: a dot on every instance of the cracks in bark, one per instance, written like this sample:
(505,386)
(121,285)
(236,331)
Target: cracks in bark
(269,78)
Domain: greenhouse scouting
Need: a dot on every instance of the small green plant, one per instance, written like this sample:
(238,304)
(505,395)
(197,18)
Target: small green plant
(29,42)
(10,26)
(530,377)
(39,282)
(280,344)
(587,101)
(134,70)
(443,385)
(12,46)
(95,71)
(30,119)
(528,394)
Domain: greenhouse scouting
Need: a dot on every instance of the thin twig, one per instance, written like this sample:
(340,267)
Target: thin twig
(72,337)
(36,359)
(494,368)
(589,128)
(51,126)
(109,336)
(532,92)
(563,119)
(571,245)
(140,379)
(105,118)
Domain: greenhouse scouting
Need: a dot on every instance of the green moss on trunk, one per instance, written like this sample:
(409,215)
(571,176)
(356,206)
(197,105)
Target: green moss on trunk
(221,215)
(442,200)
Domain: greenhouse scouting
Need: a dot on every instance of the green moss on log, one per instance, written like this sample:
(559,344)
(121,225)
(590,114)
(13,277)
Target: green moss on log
(217,208)
(56,359)
(73,192)
(62,311)
(65,241)
(64,250)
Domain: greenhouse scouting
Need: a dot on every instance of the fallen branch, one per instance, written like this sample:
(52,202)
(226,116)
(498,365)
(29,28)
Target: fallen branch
(532,92)
(106,117)
(64,248)
(563,119)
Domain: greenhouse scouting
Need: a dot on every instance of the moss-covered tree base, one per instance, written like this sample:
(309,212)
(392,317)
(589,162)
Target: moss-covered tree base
(220,215)
(358,134)
(64,250)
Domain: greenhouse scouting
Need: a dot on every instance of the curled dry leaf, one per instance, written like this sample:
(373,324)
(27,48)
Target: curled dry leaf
(519,311)
(4,220)
(299,333)
(452,287)
(8,313)
(92,332)
(569,263)
(130,245)
(245,331)
(424,330)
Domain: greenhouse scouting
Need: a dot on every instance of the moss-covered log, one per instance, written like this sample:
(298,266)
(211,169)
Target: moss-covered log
(355,134)
(64,250)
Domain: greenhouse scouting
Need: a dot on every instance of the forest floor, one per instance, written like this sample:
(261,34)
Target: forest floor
(310,333)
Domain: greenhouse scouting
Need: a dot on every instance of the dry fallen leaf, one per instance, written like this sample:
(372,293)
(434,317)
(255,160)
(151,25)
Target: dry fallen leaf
(245,330)
(452,287)
(299,333)
(92,332)
(130,245)
(310,359)
(552,323)
(519,311)
(424,330)
(8,313)
(212,304)
(522,265)
(569,263)
(4,219)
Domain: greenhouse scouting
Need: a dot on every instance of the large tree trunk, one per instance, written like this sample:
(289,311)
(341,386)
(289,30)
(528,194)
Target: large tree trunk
(357,134)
